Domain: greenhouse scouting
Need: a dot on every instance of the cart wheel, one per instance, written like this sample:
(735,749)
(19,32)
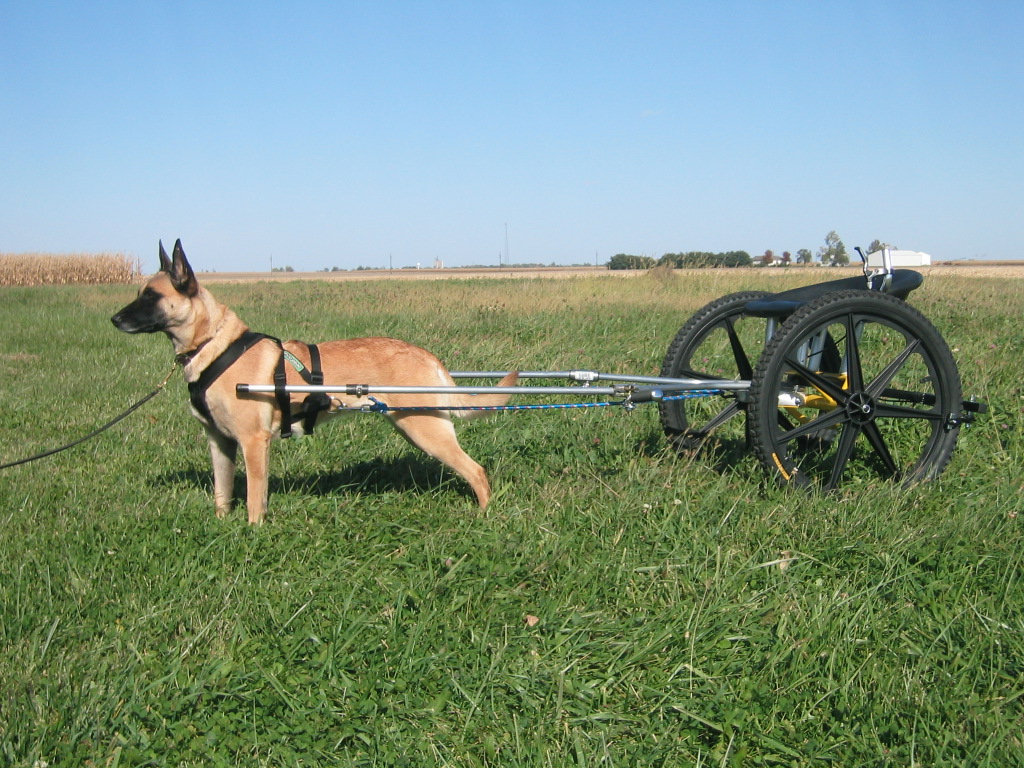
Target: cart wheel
(719,341)
(888,412)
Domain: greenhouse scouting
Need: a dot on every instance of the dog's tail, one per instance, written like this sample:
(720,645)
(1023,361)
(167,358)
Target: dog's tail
(473,403)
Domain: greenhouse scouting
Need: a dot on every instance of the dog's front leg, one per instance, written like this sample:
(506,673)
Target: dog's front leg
(224,451)
(256,452)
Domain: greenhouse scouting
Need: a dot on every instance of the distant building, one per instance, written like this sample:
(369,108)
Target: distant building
(901,258)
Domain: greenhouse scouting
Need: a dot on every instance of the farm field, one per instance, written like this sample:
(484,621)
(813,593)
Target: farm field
(800,273)
(616,604)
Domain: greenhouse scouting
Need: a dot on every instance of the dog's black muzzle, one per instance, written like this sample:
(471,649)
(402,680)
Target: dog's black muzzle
(129,325)
(141,316)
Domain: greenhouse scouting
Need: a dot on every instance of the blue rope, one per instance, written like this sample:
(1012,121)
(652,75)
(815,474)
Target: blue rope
(693,394)
(381,407)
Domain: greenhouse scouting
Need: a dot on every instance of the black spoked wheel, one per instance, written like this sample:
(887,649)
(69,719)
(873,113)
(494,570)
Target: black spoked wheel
(886,411)
(720,341)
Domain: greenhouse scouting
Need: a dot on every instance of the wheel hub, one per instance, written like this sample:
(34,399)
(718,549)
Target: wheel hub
(860,408)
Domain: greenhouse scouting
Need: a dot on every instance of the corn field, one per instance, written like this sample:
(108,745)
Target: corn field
(64,269)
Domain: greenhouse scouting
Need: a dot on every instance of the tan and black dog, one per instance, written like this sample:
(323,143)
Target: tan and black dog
(207,336)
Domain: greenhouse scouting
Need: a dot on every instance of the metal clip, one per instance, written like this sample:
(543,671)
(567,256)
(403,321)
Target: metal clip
(628,390)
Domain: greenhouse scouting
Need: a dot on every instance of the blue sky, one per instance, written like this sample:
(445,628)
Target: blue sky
(366,133)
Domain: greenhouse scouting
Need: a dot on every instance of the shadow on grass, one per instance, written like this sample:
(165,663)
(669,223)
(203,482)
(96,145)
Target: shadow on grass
(404,474)
(721,455)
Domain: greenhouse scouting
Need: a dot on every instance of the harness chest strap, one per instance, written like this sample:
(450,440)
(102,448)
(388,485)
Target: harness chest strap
(197,389)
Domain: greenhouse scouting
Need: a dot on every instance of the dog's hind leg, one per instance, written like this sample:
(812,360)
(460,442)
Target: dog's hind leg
(435,436)
(224,451)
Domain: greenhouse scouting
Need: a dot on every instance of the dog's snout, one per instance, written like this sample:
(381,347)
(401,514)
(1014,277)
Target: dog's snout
(141,316)
(121,322)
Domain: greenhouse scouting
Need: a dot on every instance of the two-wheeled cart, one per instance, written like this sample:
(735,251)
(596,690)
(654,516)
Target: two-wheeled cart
(825,383)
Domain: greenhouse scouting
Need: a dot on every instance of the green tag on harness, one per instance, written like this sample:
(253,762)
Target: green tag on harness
(294,361)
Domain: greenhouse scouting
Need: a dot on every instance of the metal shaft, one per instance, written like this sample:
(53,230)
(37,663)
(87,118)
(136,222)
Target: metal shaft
(591,376)
(373,389)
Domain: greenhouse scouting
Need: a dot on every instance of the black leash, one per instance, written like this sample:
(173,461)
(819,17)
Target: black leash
(93,434)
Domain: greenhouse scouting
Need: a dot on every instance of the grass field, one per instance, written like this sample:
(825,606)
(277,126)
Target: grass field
(616,604)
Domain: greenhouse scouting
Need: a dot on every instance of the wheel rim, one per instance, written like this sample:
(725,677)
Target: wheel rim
(883,415)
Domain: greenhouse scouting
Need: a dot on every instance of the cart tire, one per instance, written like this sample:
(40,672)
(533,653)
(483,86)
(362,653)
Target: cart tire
(886,412)
(720,341)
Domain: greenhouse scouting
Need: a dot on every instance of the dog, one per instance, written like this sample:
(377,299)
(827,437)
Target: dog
(218,351)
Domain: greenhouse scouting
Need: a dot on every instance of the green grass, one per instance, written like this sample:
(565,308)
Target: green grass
(616,605)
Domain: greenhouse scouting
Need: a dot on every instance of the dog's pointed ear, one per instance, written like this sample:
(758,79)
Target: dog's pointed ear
(182,276)
(165,260)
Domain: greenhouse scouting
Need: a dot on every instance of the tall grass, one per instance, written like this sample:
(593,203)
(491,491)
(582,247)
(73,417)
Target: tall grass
(616,604)
(67,269)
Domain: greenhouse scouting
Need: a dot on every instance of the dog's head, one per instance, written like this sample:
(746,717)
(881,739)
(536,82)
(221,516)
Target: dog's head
(165,299)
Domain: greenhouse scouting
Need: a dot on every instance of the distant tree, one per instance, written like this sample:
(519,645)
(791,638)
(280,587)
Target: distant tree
(628,261)
(768,258)
(674,260)
(877,245)
(702,259)
(804,256)
(834,252)
(787,258)
(736,259)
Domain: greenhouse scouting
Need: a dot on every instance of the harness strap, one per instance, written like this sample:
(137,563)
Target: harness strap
(197,389)
(316,374)
(317,402)
(313,404)
(284,401)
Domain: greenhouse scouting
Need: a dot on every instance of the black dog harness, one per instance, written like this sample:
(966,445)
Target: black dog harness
(311,406)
